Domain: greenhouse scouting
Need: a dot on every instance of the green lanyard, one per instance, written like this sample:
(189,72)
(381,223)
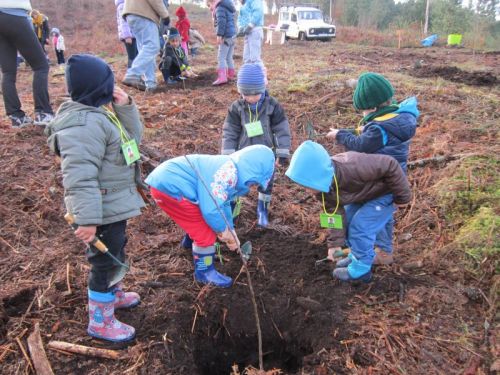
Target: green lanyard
(331,220)
(254,127)
(129,146)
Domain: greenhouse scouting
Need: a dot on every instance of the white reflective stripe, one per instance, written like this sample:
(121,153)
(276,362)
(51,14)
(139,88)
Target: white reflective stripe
(203,250)
(228,151)
(264,197)
(282,151)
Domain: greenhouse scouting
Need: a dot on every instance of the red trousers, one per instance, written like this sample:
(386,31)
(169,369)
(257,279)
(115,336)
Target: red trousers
(186,215)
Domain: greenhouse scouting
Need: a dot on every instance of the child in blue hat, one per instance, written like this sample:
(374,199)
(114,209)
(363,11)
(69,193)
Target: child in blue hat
(357,191)
(387,128)
(257,119)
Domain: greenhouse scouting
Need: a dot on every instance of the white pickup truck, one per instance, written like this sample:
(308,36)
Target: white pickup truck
(304,23)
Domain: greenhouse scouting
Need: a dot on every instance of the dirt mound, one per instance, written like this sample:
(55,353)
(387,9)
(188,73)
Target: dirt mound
(455,74)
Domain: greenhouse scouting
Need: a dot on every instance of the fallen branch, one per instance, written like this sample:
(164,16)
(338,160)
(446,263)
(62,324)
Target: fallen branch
(437,160)
(37,352)
(84,350)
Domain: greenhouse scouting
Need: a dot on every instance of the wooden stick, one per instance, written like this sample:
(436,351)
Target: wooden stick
(68,284)
(85,350)
(26,356)
(38,356)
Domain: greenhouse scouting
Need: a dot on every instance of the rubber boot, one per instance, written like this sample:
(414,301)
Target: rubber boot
(263,209)
(221,77)
(102,322)
(231,74)
(382,258)
(125,300)
(204,269)
(187,242)
(354,272)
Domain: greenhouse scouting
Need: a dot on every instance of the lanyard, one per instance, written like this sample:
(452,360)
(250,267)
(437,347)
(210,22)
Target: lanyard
(123,134)
(337,194)
(256,112)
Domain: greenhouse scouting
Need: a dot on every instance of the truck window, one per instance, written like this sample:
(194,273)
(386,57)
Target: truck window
(294,18)
(310,15)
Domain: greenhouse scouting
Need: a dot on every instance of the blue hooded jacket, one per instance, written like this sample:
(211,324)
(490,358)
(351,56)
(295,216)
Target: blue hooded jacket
(389,134)
(227,176)
(312,167)
(224,19)
(251,12)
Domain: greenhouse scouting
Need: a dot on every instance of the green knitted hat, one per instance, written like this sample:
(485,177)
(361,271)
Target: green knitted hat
(371,91)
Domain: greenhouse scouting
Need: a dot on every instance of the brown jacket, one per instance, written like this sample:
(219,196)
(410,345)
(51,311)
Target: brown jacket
(154,10)
(363,177)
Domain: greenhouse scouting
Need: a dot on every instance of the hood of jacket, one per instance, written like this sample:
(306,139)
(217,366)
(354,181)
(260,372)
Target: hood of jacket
(180,12)
(228,4)
(69,114)
(403,126)
(255,165)
(312,167)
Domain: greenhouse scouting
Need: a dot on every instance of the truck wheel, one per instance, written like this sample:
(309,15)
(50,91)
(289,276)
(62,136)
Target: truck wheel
(287,38)
(302,36)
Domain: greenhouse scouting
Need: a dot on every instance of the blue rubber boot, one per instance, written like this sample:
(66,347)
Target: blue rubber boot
(356,271)
(187,242)
(204,269)
(263,209)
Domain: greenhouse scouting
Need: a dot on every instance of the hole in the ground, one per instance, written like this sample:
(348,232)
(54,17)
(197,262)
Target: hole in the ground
(216,356)
(17,304)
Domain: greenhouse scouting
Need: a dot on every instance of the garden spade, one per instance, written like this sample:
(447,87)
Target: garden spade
(121,268)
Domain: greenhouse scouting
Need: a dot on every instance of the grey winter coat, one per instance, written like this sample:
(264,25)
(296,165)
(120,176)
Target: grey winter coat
(274,123)
(99,187)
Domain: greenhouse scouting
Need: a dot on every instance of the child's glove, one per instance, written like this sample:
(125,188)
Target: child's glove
(166,21)
(249,28)
(230,238)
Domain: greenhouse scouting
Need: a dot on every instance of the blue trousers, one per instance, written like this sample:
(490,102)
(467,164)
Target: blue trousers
(364,222)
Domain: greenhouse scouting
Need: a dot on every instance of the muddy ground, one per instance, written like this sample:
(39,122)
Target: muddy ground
(424,314)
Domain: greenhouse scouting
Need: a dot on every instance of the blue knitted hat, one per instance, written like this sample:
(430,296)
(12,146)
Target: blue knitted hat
(90,80)
(251,80)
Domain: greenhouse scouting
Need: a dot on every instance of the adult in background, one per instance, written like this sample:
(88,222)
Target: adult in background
(124,33)
(250,22)
(16,33)
(144,17)
(223,12)
(41,27)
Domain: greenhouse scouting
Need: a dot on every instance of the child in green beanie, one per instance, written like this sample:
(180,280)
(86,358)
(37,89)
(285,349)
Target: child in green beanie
(386,128)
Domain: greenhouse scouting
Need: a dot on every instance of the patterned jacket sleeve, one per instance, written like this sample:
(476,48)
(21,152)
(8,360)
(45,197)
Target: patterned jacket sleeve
(223,181)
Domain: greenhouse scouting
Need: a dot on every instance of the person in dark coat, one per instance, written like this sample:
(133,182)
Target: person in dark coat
(174,64)
(257,118)
(223,14)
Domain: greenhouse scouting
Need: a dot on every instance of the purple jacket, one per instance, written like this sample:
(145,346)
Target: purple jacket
(124,31)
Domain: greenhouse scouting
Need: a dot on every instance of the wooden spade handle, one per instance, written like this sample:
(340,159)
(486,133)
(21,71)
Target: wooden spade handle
(97,243)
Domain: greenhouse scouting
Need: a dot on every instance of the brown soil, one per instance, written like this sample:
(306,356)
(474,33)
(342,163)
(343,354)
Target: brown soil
(457,75)
(424,314)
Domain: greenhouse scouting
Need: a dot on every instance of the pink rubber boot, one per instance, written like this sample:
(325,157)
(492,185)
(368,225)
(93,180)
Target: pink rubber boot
(102,322)
(231,74)
(221,77)
(125,300)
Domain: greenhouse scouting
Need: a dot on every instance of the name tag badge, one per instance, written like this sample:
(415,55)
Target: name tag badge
(130,151)
(254,129)
(330,221)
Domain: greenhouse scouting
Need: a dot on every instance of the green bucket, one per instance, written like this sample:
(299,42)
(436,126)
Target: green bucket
(454,39)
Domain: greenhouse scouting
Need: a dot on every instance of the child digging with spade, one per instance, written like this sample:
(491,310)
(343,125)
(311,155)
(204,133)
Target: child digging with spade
(99,179)
(358,192)
(196,190)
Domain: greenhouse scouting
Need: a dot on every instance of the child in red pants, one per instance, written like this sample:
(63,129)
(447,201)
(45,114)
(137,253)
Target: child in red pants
(196,190)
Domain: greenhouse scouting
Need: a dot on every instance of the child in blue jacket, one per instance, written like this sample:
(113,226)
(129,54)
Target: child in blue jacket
(387,128)
(195,190)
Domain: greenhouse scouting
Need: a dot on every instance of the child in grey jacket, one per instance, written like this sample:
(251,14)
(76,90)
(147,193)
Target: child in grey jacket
(98,147)
(257,118)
